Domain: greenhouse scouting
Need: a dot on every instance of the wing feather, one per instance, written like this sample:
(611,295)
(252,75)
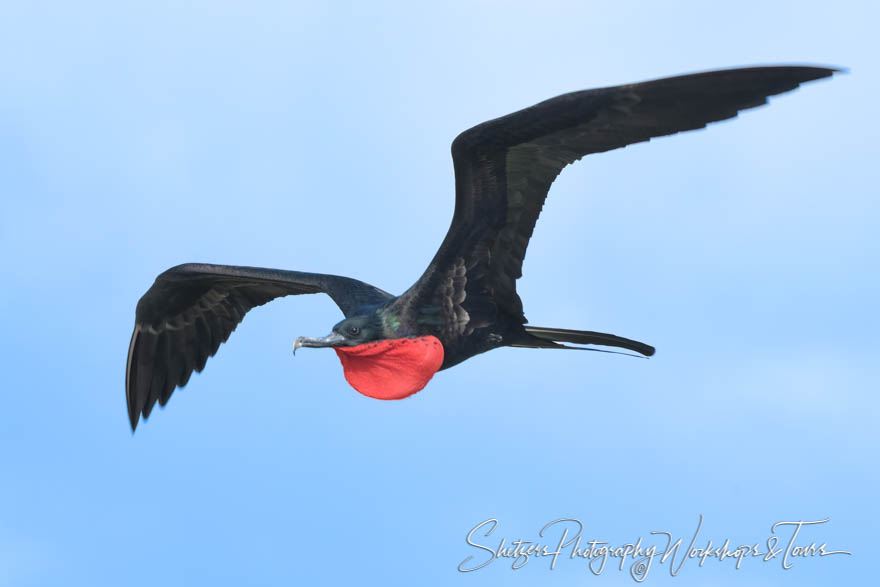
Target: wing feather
(504,167)
(192,309)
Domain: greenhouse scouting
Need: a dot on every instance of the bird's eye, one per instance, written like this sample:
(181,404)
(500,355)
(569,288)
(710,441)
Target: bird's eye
(354,330)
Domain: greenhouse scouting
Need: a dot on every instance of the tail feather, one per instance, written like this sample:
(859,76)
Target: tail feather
(554,336)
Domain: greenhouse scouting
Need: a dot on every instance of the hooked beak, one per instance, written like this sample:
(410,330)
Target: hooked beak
(331,339)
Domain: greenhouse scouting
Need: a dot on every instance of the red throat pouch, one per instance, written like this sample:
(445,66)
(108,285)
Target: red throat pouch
(391,369)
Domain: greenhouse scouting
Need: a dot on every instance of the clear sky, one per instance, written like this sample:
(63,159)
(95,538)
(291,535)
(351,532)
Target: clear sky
(134,138)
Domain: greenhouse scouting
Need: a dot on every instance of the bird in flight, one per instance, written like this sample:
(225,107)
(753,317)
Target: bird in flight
(465,303)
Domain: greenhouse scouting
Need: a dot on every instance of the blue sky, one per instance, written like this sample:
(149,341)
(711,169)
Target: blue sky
(139,137)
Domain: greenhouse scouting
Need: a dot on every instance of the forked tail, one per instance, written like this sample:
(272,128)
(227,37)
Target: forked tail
(552,337)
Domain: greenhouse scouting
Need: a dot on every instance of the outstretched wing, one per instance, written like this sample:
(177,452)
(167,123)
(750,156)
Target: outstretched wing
(191,309)
(504,168)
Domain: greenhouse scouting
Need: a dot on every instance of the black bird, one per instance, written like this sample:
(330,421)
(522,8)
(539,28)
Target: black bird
(466,302)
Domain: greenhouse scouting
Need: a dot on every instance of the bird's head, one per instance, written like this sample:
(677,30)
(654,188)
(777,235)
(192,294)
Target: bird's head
(350,332)
(376,364)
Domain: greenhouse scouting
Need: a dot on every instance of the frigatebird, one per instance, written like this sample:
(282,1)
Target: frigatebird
(465,303)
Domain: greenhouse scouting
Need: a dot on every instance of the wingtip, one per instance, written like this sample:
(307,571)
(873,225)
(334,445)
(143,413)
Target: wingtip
(829,70)
(802,72)
(133,412)
(129,380)
(818,72)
